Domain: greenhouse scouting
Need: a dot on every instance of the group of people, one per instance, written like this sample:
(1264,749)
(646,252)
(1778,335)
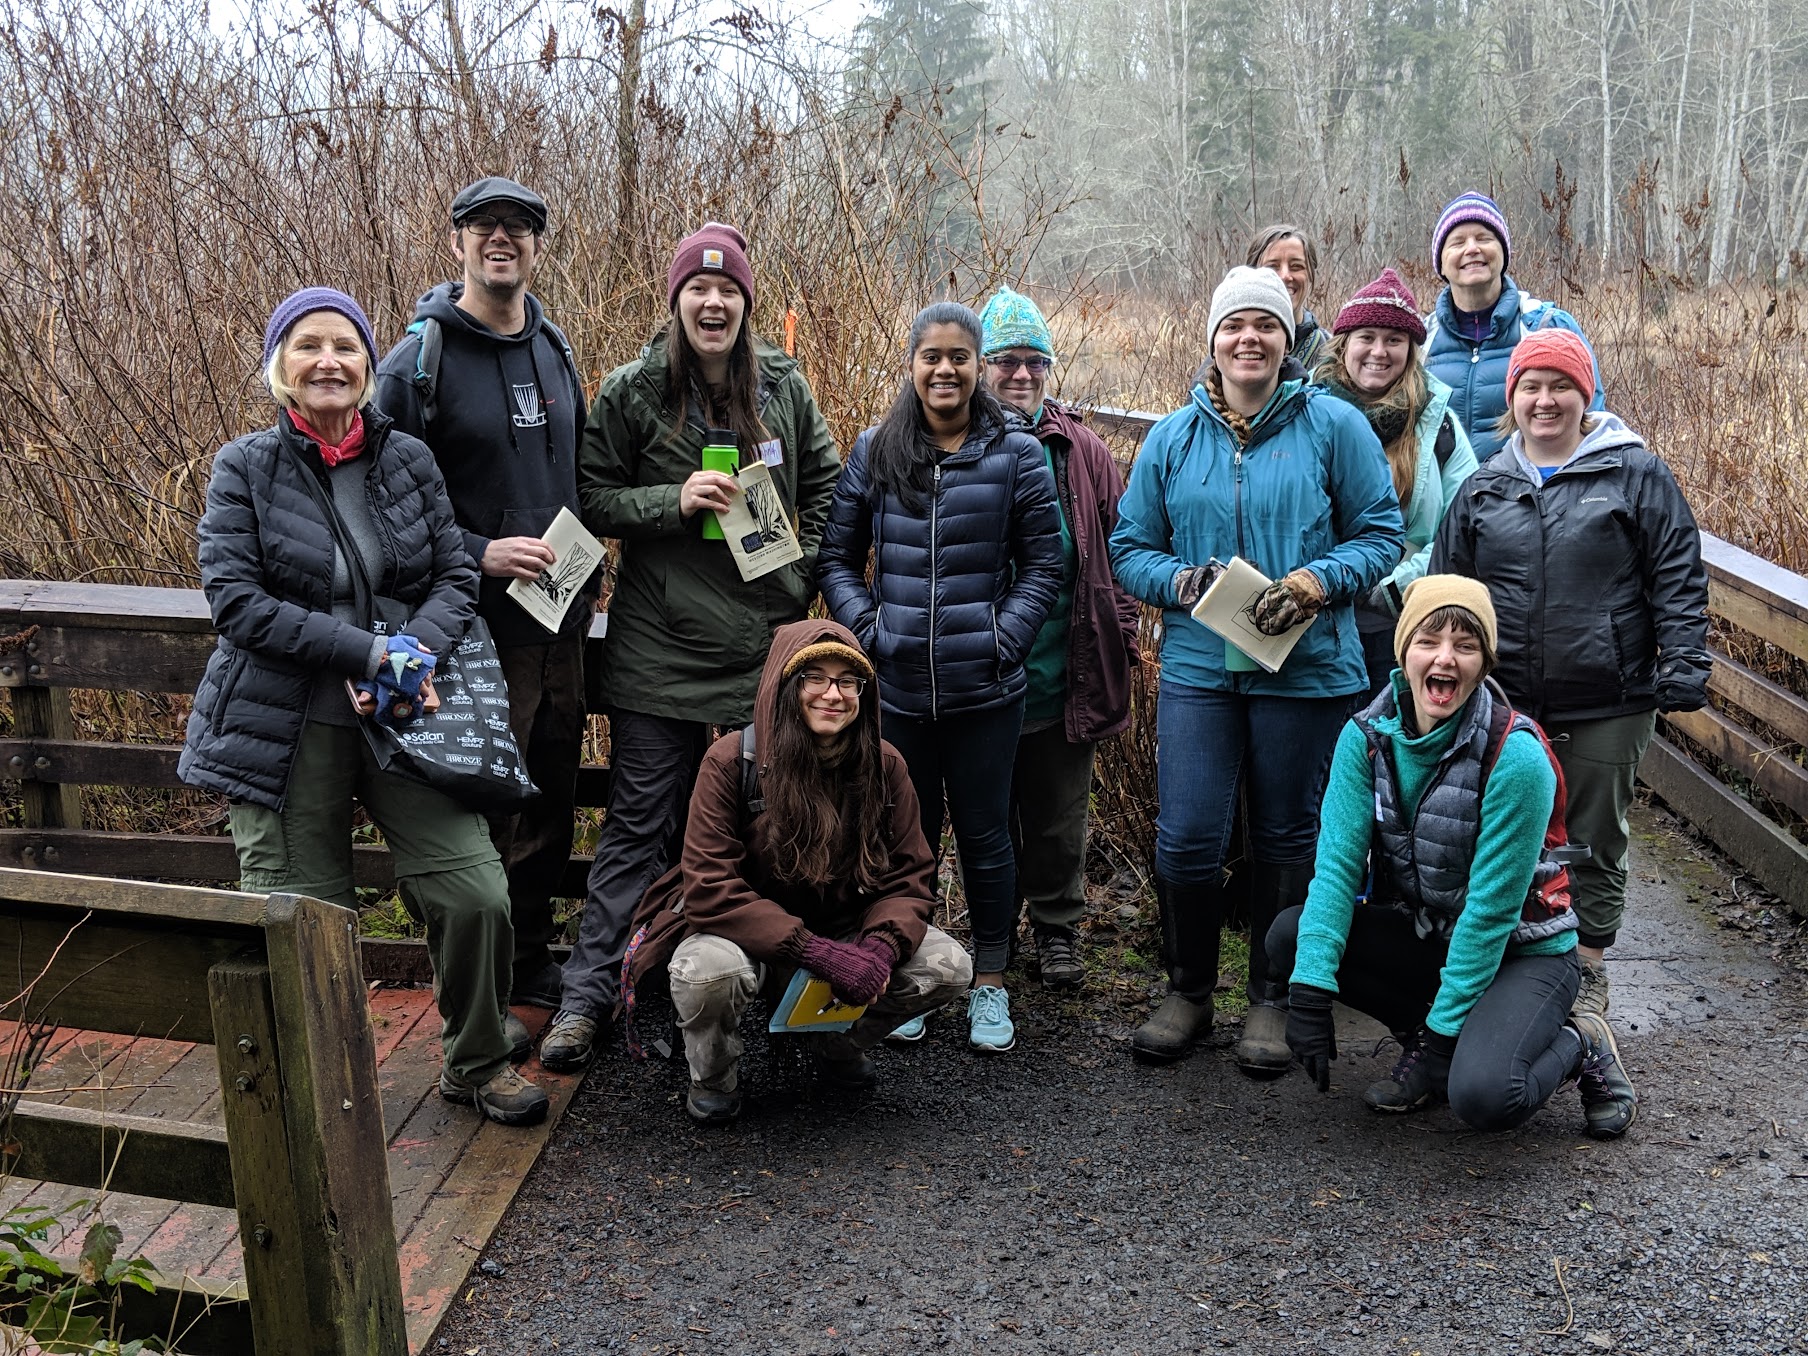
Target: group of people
(1435,782)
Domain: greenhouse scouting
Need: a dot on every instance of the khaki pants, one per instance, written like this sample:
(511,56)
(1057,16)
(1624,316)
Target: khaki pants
(713,981)
(446,869)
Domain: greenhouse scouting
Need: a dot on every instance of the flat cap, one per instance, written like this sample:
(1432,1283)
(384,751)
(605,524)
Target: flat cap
(497,189)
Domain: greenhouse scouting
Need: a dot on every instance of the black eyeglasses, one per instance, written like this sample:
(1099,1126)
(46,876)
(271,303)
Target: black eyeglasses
(851,684)
(1008,363)
(485,226)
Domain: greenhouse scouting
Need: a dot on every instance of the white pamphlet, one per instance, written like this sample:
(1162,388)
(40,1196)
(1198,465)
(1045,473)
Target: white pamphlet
(756,525)
(1228,608)
(576,554)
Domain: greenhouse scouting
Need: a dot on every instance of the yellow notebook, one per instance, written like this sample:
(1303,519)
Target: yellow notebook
(809,1004)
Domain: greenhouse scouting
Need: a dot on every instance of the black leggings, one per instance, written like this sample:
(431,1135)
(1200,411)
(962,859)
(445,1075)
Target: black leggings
(1515,1050)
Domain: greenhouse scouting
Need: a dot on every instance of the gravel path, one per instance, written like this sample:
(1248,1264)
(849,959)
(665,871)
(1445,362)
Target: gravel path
(1064,1200)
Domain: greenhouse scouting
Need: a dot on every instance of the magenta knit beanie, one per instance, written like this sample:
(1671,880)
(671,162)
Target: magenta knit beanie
(1385,304)
(712,248)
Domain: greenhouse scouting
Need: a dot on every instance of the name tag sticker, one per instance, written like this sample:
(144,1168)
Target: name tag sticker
(772,452)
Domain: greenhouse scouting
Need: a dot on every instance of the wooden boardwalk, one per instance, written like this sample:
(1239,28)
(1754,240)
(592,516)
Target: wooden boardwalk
(452,1173)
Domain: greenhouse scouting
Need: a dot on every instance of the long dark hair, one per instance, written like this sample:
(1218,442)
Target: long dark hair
(735,405)
(901,452)
(826,817)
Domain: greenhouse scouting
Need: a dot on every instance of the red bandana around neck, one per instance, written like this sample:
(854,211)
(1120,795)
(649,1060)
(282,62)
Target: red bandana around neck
(334,453)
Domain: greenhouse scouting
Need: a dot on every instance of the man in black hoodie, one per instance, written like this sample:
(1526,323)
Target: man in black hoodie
(486,381)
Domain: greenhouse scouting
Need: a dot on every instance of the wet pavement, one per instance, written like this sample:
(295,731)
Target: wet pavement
(1062,1199)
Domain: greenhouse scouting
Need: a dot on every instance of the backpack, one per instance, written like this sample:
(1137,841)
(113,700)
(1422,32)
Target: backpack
(1548,897)
(432,344)
(659,921)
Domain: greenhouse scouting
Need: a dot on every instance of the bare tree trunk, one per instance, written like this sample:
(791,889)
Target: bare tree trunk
(627,136)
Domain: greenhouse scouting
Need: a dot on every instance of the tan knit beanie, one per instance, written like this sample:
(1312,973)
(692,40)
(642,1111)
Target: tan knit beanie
(1426,595)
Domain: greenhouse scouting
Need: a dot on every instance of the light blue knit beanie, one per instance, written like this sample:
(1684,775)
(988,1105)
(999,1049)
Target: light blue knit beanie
(1011,320)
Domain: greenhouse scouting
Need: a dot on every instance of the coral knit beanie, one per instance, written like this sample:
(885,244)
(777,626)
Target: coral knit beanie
(1428,593)
(1553,350)
(713,248)
(1385,304)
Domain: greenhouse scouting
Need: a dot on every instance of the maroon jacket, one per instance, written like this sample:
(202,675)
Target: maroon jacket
(1101,637)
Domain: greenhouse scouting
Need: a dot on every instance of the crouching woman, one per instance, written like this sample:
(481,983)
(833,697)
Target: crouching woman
(1466,945)
(814,857)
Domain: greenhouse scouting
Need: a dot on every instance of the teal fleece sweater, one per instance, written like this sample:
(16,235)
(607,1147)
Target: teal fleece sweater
(1516,807)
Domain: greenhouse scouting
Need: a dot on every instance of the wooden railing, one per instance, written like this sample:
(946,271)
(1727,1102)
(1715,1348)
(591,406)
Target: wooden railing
(55,637)
(274,984)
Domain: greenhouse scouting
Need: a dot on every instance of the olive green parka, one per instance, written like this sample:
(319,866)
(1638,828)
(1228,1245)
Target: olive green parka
(686,637)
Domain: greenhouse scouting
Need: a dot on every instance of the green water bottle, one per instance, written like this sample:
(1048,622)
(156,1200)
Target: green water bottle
(720,453)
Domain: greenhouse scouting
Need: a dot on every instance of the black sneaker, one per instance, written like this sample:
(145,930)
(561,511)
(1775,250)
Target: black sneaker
(1609,1101)
(1420,1076)
(707,1107)
(1058,953)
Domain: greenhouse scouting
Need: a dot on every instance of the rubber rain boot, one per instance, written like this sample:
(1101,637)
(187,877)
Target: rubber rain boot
(1263,1052)
(1192,919)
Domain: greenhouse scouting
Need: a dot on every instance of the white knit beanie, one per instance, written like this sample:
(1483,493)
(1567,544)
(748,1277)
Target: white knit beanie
(1251,289)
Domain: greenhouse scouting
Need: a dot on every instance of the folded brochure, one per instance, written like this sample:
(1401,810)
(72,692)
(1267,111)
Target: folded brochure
(757,526)
(810,1004)
(576,554)
(1228,608)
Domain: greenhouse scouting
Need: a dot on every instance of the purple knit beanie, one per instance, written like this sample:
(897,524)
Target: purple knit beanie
(297,304)
(1470,206)
(712,248)
(1385,304)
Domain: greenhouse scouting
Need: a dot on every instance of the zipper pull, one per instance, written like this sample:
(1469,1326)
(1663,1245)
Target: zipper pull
(1475,355)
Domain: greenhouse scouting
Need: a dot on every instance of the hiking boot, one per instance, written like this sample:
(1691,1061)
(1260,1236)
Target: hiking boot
(1420,1077)
(989,1027)
(567,1042)
(911,1031)
(1058,953)
(1172,1030)
(521,1045)
(539,985)
(847,1069)
(507,1098)
(1591,995)
(706,1107)
(1609,1102)
(1263,1052)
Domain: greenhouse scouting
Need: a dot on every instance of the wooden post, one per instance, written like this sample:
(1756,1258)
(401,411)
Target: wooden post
(272,1231)
(336,1142)
(43,713)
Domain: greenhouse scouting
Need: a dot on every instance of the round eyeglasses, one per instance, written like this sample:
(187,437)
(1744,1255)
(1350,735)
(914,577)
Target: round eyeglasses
(849,684)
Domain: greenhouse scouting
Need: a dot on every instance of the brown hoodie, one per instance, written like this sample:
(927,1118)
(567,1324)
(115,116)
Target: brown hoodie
(727,890)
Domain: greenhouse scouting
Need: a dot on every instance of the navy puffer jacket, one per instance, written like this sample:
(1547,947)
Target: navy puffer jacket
(960,585)
(266,557)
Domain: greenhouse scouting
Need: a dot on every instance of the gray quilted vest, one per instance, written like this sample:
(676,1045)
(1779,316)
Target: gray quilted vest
(1423,867)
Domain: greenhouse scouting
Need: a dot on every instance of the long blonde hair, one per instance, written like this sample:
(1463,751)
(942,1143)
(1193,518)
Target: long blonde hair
(1410,394)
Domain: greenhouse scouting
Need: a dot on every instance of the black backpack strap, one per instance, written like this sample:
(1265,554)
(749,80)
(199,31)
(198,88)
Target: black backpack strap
(1445,447)
(571,361)
(752,802)
(426,365)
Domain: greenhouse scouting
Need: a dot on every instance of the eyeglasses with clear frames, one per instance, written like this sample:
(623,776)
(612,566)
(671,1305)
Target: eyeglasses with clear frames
(849,684)
(485,226)
(1008,363)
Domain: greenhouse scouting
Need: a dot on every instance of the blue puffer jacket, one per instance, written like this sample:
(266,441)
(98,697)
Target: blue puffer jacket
(960,585)
(1477,373)
(1312,489)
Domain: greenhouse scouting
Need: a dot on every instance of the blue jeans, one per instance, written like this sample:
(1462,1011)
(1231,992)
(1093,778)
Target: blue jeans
(969,758)
(1206,742)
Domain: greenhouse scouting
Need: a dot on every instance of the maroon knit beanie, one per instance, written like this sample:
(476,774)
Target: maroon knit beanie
(1385,304)
(714,248)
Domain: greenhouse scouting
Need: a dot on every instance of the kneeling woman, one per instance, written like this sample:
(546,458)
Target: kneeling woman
(825,866)
(1467,940)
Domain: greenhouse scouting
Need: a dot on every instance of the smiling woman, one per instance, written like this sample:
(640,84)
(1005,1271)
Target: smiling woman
(961,507)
